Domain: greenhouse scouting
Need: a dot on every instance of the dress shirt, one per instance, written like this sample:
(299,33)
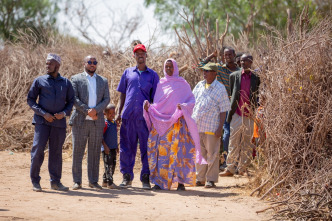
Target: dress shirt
(244,93)
(210,102)
(92,87)
(55,95)
(138,87)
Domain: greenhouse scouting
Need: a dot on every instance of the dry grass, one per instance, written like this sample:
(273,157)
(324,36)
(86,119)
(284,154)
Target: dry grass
(295,168)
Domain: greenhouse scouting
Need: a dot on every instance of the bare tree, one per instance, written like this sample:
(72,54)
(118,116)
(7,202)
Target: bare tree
(112,28)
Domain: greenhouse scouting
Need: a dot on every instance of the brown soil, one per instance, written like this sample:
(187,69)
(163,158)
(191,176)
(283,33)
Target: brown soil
(228,201)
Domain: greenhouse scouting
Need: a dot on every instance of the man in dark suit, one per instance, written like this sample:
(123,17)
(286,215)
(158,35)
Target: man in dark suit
(87,120)
(244,86)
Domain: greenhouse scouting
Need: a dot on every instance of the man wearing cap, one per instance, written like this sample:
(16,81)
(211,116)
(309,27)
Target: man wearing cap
(211,106)
(55,101)
(223,73)
(244,86)
(87,121)
(137,84)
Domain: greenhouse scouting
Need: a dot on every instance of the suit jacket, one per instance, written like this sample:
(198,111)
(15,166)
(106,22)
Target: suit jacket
(235,86)
(80,111)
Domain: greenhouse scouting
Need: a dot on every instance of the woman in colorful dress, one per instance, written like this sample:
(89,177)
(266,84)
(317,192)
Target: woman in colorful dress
(173,144)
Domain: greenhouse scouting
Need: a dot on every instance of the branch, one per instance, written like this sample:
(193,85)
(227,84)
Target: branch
(222,38)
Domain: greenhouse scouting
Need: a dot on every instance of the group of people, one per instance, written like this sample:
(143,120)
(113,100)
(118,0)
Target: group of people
(179,130)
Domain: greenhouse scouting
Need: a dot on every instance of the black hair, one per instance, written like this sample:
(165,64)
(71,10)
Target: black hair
(109,107)
(238,54)
(230,49)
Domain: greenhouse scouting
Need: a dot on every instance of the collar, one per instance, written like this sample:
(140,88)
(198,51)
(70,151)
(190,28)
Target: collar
(212,84)
(225,66)
(58,78)
(242,72)
(87,75)
(110,121)
(147,69)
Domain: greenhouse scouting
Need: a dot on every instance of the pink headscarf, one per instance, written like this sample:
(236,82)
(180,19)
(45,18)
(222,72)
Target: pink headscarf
(163,113)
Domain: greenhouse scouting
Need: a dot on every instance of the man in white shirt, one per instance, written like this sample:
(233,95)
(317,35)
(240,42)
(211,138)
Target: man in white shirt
(87,121)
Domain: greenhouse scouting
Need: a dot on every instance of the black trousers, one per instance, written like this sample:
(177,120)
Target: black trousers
(109,165)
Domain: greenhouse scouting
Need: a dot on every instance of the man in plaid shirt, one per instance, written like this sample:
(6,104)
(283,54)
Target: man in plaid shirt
(223,73)
(211,106)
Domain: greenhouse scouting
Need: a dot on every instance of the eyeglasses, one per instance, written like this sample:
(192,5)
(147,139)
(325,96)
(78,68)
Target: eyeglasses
(207,70)
(94,62)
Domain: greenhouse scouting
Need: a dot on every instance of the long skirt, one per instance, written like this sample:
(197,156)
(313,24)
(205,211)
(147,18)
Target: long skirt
(172,156)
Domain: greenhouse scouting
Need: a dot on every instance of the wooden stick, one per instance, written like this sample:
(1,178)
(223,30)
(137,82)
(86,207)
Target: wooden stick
(216,41)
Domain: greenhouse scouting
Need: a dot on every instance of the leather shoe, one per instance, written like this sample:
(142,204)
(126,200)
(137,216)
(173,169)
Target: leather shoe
(156,187)
(199,183)
(77,186)
(59,186)
(226,173)
(181,187)
(210,184)
(146,182)
(95,186)
(126,181)
(36,187)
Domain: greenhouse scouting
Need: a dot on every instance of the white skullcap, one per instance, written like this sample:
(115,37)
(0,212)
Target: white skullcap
(55,57)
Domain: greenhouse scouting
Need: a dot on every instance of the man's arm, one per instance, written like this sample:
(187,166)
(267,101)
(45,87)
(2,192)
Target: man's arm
(218,132)
(80,106)
(31,100)
(231,82)
(208,58)
(120,107)
(70,97)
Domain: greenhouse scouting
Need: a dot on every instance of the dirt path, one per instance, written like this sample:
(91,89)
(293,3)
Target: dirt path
(19,202)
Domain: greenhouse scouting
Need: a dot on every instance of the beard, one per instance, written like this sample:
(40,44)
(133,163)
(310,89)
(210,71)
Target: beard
(52,72)
(90,71)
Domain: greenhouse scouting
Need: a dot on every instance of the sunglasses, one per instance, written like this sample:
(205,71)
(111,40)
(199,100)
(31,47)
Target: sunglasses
(94,62)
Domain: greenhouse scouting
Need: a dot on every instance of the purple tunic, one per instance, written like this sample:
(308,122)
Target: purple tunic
(137,87)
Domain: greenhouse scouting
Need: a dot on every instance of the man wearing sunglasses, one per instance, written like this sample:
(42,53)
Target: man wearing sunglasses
(87,121)
(137,84)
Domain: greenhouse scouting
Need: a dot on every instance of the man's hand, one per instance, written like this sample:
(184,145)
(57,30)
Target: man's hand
(92,112)
(49,117)
(214,54)
(95,117)
(59,116)
(218,132)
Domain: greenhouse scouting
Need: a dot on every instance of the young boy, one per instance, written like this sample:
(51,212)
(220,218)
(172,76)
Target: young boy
(110,146)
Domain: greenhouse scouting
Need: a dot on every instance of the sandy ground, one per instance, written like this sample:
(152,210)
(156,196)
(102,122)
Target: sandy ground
(18,202)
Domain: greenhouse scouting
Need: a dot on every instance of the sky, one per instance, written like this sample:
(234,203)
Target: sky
(107,17)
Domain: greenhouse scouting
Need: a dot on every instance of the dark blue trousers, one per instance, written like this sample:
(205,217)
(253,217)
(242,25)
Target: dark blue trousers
(225,138)
(131,131)
(56,137)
